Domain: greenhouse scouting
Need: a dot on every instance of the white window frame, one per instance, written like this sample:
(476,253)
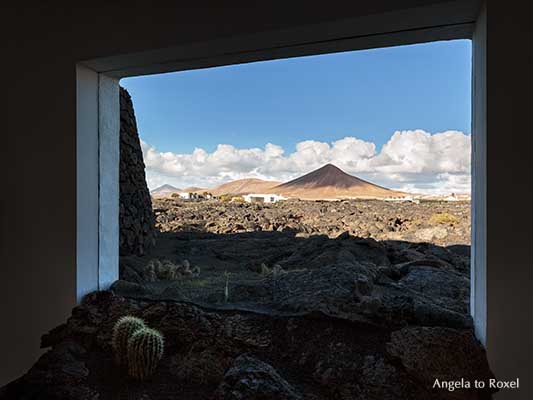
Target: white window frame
(98,118)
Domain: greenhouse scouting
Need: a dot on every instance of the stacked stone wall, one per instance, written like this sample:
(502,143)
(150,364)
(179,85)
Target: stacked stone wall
(137,221)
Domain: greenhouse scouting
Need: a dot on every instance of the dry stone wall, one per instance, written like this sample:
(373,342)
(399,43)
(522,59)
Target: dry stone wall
(137,222)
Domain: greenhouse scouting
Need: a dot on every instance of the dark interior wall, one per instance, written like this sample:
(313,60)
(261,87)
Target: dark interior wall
(509,195)
(90,30)
(39,210)
(38,214)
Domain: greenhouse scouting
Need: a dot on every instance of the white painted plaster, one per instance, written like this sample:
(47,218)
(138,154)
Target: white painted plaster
(109,161)
(98,157)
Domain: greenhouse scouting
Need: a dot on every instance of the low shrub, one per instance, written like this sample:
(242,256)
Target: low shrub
(443,219)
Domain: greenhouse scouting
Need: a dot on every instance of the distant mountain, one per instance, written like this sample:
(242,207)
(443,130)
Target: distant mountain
(330,182)
(244,186)
(165,190)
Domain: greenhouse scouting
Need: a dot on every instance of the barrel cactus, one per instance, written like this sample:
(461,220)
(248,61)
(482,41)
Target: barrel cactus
(124,328)
(145,349)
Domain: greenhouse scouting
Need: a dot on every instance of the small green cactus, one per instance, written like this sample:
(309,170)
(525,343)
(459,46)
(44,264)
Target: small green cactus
(145,349)
(124,328)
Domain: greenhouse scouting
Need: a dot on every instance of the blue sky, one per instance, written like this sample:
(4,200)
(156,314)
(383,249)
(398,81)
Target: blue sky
(367,95)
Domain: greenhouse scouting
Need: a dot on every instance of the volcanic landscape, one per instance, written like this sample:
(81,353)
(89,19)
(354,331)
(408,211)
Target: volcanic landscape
(318,299)
(344,290)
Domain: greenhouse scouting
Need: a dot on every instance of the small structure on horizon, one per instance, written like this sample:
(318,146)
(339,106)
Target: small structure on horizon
(411,199)
(189,196)
(452,197)
(263,198)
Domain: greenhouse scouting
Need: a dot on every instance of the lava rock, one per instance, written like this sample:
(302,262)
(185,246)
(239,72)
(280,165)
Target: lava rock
(252,379)
(460,355)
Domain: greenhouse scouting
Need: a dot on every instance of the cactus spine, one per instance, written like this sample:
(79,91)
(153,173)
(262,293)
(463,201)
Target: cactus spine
(145,349)
(124,328)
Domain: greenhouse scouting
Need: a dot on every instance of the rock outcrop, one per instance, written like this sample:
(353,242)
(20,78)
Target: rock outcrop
(250,378)
(229,355)
(388,283)
(137,223)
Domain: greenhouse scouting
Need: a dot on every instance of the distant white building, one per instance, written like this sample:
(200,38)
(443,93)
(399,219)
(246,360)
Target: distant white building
(189,196)
(263,198)
(452,197)
(411,199)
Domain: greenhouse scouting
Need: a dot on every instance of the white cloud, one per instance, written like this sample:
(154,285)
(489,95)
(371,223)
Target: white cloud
(414,160)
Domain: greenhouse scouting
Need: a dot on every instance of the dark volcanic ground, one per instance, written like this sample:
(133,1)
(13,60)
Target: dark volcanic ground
(438,222)
(276,302)
(268,256)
